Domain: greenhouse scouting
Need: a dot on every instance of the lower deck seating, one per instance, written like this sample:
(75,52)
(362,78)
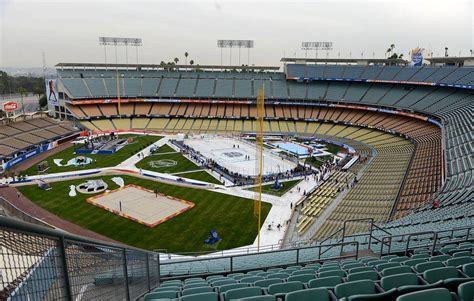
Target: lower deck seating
(426,170)
(423,179)
(103,124)
(374,193)
(456,206)
(381,195)
(317,202)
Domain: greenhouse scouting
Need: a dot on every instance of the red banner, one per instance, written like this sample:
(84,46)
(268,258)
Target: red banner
(10,106)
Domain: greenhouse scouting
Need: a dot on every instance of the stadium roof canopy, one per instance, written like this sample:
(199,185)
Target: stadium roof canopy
(359,61)
(164,66)
(451,60)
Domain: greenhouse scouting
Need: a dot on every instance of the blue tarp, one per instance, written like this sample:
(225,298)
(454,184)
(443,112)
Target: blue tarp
(213,238)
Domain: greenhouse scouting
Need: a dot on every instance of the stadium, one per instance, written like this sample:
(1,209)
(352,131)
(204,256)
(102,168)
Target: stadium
(315,179)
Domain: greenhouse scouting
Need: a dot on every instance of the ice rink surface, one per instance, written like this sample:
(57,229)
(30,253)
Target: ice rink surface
(237,155)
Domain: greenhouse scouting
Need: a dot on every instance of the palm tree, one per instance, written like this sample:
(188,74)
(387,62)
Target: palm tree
(38,90)
(186,58)
(390,49)
(176,60)
(191,62)
(22,91)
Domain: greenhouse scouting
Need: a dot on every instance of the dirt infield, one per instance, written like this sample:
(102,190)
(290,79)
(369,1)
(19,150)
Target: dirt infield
(140,205)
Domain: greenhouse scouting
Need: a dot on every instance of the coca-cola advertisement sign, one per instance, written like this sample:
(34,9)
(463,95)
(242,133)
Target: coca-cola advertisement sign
(10,106)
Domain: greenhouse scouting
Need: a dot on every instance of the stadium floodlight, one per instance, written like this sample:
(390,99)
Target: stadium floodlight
(315,46)
(117,41)
(235,44)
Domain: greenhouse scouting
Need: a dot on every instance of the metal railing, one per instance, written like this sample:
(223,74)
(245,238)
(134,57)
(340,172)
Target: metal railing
(425,240)
(248,262)
(164,254)
(343,230)
(39,263)
(20,214)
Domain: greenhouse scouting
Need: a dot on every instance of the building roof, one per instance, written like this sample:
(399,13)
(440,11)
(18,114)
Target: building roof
(344,60)
(158,66)
(449,59)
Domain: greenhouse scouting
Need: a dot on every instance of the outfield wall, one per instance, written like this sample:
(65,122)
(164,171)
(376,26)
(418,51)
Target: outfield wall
(40,149)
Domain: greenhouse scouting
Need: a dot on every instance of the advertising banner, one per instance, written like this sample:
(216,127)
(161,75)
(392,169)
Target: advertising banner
(417,57)
(10,106)
(52,91)
(27,155)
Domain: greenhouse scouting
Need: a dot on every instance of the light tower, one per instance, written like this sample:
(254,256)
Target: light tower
(316,46)
(235,44)
(116,41)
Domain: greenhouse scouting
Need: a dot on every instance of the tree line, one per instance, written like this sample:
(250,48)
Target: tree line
(23,85)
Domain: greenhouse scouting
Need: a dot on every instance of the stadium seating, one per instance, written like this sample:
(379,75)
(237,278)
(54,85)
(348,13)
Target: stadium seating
(381,282)
(30,133)
(403,175)
(235,85)
(426,74)
(322,197)
(466,291)
(422,180)
(373,195)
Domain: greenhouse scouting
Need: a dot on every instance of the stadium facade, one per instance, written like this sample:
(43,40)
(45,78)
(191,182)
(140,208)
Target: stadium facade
(429,107)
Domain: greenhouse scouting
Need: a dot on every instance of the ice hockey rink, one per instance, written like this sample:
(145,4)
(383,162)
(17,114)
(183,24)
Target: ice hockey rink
(232,153)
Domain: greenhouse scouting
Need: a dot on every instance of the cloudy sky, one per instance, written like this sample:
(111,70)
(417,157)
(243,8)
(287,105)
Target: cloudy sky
(68,31)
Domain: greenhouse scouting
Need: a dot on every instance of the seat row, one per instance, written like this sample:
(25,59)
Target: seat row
(362,290)
(386,278)
(326,288)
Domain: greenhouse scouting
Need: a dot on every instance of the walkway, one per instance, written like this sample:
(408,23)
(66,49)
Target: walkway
(281,210)
(130,162)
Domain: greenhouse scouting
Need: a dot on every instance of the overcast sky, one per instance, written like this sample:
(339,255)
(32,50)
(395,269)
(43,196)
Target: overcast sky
(68,31)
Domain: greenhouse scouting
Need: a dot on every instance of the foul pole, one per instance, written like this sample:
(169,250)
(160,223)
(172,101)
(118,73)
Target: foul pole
(259,160)
(118,82)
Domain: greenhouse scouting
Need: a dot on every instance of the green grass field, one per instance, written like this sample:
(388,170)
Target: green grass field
(139,143)
(231,216)
(165,149)
(164,152)
(313,162)
(183,164)
(287,186)
(317,161)
(201,175)
(333,149)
